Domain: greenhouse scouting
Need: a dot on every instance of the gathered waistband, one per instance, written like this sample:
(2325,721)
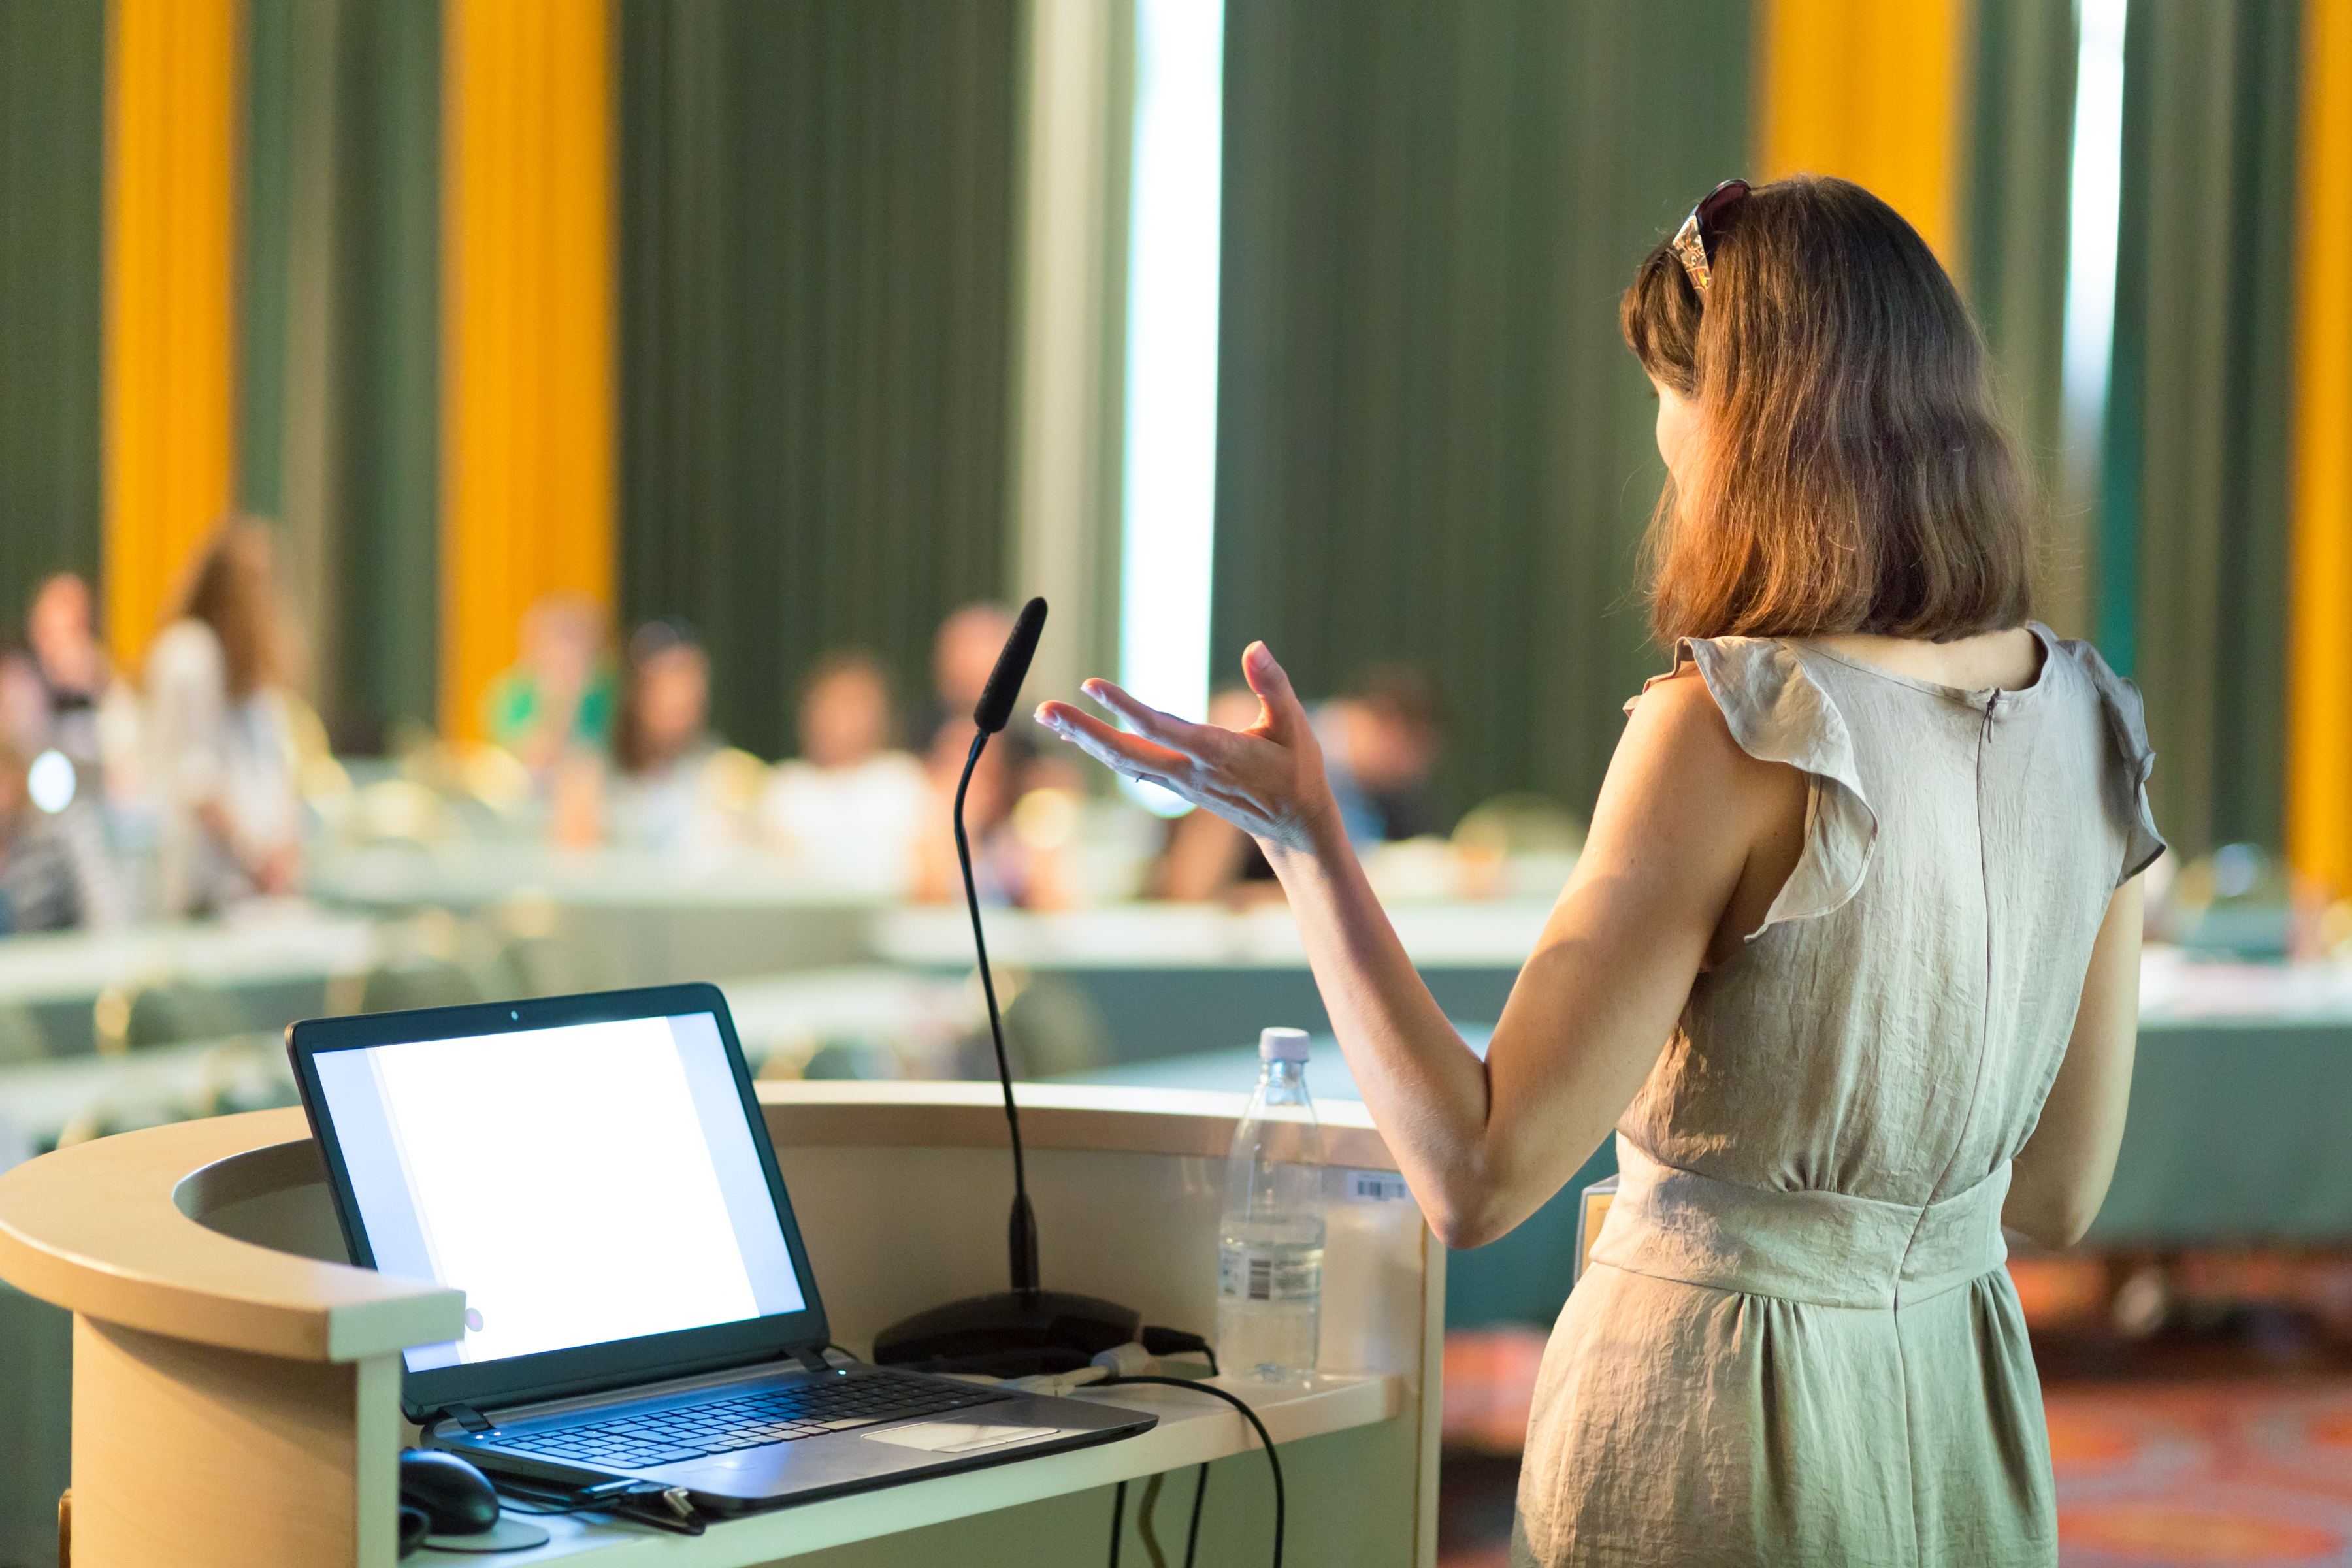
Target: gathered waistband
(1830,1249)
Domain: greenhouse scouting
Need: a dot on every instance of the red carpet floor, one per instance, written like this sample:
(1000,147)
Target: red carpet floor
(2244,1474)
(2238,1472)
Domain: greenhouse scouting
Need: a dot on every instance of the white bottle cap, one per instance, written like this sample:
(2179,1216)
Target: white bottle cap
(1282,1044)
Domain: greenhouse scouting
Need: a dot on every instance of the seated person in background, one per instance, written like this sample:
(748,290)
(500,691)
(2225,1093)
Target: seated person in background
(61,698)
(1380,743)
(55,873)
(1390,732)
(560,696)
(846,811)
(1006,867)
(73,670)
(40,883)
(964,654)
(220,751)
(661,743)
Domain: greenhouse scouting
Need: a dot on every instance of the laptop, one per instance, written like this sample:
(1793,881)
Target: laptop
(594,1173)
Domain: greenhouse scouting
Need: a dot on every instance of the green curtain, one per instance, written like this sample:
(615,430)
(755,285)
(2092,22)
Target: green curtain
(52,189)
(816,229)
(2014,263)
(2194,513)
(339,321)
(387,366)
(265,201)
(1433,446)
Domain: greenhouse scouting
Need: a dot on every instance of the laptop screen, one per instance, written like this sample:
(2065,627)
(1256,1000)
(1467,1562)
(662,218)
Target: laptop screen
(582,1184)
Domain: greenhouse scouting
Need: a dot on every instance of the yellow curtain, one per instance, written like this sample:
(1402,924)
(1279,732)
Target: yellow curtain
(2319,668)
(527,335)
(171,74)
(1869,91)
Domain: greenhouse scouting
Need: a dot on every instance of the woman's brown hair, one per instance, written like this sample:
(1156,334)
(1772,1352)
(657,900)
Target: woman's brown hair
(234,590)
(1852,470)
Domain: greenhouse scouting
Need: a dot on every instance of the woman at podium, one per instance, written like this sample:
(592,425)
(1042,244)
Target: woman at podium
(1850,961)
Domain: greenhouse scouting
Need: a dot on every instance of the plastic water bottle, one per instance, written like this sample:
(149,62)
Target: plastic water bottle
(1270,1242)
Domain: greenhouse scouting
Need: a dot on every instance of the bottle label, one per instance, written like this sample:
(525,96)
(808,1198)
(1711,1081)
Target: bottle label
(1286,1274)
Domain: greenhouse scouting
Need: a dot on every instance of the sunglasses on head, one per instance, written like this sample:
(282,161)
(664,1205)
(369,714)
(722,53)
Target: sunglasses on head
(1693,243)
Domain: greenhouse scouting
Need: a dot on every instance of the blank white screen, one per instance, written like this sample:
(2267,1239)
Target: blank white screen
(565,1183)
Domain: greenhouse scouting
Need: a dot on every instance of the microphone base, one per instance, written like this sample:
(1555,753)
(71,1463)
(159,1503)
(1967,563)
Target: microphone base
(1011,1334)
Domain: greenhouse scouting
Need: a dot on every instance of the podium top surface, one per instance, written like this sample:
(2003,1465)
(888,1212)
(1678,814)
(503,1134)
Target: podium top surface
(116,1228)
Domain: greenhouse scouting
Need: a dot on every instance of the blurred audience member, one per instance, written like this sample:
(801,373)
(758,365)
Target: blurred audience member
(221,749)
(1007,867)
(964,654)
(42,880)
(846,811)
(1380,744)
(662,743)
(560,695)
(73,668)
(66,722)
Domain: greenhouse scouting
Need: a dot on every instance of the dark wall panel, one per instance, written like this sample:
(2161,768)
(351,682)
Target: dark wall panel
(52,168)
(816,210)
(1432,445)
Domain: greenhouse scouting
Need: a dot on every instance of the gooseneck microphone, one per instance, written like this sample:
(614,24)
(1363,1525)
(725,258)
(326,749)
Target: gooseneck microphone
(996,698)
(1028,1330)
(994,708)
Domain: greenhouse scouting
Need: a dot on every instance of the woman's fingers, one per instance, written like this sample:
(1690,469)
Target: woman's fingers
(1145,719)
(1133,755)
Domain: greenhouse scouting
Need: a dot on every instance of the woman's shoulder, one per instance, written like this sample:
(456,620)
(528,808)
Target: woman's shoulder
(2118,699)
(2122,719)
(1769,698)
(1776,712)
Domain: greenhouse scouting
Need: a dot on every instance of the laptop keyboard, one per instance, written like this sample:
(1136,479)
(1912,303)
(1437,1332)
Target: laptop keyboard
(809,1408)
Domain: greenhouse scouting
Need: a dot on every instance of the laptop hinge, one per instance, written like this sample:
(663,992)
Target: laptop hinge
(465,1415)
(811,1356)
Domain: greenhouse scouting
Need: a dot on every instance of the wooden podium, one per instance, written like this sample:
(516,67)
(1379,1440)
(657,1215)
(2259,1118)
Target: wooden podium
(236,1389)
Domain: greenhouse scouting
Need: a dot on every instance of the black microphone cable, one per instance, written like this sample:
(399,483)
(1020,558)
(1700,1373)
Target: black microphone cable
(1273,1459)
(1192,1534)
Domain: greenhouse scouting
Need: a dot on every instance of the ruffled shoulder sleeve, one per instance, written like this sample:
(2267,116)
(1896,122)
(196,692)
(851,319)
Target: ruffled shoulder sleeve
(2130,759)
(1778,713)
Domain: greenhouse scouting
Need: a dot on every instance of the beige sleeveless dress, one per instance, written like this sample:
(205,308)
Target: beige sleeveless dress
(1797,1342)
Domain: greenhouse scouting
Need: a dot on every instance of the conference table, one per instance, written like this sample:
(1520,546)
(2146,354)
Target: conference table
(274,958)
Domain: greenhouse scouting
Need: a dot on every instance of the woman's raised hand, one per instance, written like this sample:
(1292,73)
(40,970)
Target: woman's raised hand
(1266,780)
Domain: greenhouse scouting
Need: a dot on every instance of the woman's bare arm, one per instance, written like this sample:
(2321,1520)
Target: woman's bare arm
(2059,1178)
(1675,837)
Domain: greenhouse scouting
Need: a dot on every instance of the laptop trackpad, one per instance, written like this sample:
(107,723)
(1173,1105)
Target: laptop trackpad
(960,1437)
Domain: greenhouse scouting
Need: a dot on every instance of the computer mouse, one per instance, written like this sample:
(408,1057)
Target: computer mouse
(414,1528)
(457,1498)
